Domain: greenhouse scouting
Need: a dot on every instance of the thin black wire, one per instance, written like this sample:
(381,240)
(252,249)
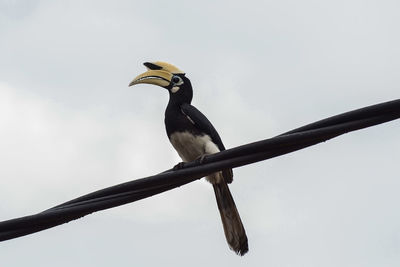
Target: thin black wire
(128,192)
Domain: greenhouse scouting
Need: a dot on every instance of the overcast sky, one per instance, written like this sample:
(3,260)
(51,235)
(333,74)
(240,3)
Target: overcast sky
(70,125)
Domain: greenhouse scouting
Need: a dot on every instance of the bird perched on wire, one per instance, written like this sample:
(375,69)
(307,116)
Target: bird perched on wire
(193,136)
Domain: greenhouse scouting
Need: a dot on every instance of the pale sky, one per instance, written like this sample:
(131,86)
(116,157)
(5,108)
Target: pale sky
(70,125)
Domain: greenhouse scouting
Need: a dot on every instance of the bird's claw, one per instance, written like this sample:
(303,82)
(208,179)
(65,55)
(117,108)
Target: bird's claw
(202,159)
(179,166)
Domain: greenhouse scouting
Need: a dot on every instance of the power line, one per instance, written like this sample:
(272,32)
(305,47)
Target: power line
(128,192)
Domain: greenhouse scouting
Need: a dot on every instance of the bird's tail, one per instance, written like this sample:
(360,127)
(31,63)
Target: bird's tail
(233,227)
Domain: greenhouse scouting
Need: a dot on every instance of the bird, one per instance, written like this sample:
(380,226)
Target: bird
(193,137)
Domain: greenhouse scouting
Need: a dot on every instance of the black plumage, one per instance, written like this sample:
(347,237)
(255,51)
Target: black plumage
(193,136)
(181,116)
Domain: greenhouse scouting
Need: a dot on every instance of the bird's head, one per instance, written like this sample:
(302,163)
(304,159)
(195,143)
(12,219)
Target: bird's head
(168,76)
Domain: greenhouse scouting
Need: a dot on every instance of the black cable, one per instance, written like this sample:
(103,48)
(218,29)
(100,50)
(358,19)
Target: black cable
(117,195)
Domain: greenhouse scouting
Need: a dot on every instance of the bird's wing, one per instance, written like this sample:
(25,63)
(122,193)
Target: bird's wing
(203,124)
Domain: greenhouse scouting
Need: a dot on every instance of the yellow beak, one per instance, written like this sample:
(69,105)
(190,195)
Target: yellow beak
(157,77)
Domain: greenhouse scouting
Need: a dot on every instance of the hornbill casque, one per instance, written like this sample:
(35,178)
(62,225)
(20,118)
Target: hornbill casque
(193,136)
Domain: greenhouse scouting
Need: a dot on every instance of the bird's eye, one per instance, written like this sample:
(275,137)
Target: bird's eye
(176,79)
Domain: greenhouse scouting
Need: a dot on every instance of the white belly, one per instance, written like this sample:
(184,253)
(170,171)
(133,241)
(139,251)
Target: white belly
(190,147)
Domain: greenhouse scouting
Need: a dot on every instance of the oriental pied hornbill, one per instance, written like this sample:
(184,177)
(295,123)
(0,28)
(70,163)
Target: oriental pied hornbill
(193,136)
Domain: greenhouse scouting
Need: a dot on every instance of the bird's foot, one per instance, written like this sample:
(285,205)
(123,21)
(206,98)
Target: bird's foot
(179,166)
(202,159)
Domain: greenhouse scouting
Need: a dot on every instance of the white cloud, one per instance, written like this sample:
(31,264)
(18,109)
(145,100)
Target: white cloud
(49,148)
